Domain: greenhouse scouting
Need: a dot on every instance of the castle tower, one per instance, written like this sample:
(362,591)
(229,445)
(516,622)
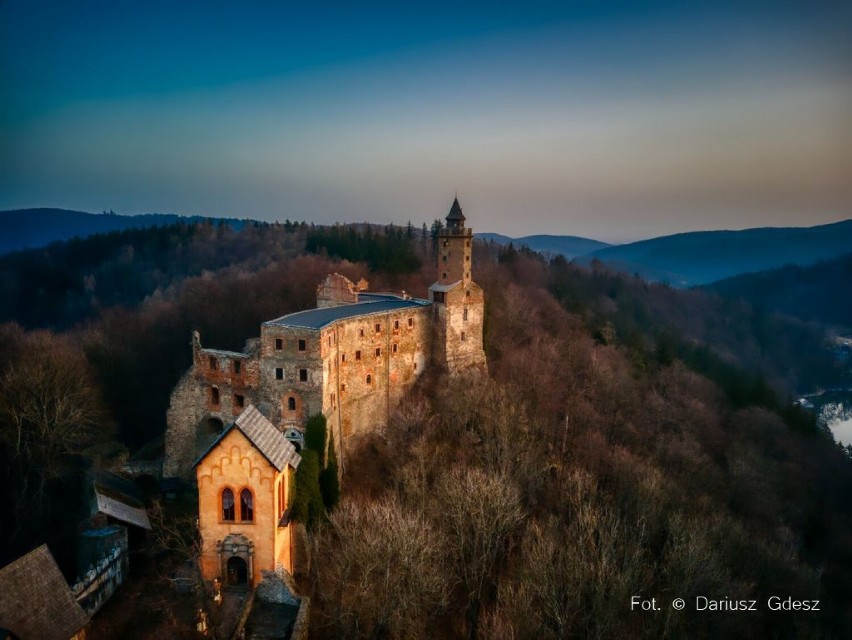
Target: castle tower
(458,302)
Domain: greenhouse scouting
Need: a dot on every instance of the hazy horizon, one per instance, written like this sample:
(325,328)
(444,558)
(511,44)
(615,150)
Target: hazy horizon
(617,123)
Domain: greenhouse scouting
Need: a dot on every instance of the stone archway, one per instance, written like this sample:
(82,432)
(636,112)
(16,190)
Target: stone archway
(236,558)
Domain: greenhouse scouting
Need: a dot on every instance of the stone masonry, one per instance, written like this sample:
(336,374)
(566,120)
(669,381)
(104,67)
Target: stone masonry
(353,358)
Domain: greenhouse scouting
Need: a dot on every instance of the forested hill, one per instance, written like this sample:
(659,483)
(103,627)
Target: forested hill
(702,257)
(822,292)
(568,246)
(647,426)
(27,228)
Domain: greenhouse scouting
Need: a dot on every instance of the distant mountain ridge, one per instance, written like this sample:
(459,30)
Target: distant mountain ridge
(32,228)
(701,257)
(568,246)
(821,292)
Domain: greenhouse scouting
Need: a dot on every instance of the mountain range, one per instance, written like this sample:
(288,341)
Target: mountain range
(31,228)
(701,257)
(681,260)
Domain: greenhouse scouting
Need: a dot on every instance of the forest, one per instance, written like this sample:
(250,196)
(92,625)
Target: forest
(630,438)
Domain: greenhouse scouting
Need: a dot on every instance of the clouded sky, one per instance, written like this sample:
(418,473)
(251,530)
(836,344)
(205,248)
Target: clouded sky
(610,120)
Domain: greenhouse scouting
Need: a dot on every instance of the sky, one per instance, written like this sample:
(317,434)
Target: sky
(610,120)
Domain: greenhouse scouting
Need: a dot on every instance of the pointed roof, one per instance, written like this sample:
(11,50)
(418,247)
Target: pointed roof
(37,602)
(265,437)
(455,212)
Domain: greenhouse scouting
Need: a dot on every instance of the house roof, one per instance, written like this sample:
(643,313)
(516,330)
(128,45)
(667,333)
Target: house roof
(319,318)
(456,212)
(264,436)
(443,288)
(122,511)
(36,600)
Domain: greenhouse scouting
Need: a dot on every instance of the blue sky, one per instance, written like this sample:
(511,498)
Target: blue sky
(615,121)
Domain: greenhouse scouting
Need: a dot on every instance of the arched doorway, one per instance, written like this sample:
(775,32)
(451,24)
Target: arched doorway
(237,571)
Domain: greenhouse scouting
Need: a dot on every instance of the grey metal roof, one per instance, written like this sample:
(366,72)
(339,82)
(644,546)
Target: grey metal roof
(319,318)
(265,437)
(222,353)
(36,601)
(122,511)
(443,288)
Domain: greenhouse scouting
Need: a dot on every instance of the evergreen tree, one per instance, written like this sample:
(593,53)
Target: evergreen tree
(328,480)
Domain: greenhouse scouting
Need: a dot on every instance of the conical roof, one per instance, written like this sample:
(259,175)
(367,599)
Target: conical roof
(455,212)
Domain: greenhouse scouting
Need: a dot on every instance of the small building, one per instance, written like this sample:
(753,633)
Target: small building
(36,602)
(244,483)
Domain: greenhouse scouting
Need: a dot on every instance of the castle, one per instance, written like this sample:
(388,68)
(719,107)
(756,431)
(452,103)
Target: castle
(353,358)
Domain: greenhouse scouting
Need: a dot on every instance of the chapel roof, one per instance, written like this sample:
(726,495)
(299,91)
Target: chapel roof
(36,601)
(264,436)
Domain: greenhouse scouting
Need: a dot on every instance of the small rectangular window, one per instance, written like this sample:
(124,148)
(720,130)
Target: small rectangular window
(213,363)
(395,346)
(301,345)
(378,328)
(357,355)
(279,344)
(239,401)
(303,375)
(464,314)
(279,373)
(378,352)
(361,333)
(396,325)
(410,322)
(462,336)
(214,396)
(343,357)
(238,367)
(415,366)
(342,387)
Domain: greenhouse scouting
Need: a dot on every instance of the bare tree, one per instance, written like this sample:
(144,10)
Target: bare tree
(377,572)
(480,511)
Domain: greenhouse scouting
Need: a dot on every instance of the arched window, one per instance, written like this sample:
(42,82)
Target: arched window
(228,505)
(291,403)
(246,506)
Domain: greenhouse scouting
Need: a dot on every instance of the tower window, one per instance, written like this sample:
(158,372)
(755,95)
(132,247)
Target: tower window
(357,355)
(410,322)
(443,258)
(463,336)
(464,314)
(238,367)
(378,328)
(303,375)
(467,258)
(361,333)
(214,396)
(239,401)
(369,379)
(291,403)
(343,357)
(279,344)
(415,366)
(396,325)
(444,276)
(246,506)
(467,293)
(378,352)
(395,346)
(279,373)
(213,363)
(467,243)
(228,514)
(302,345)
